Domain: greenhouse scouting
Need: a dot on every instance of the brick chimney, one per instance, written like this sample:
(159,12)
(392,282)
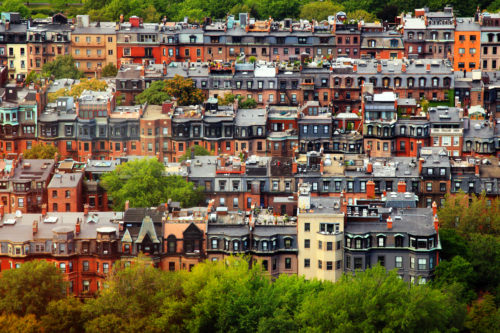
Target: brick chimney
(243,168)
(379,68)
(369,167)
(321,166)
(85,209)
(294,167)
(44,209)
(403,67)
(389,222)
(355,67)
(370,189)
(401,186)
(127,205)
(436,223)
(476,170)
(35,227)
(420,165)
(77,226)
(434,208)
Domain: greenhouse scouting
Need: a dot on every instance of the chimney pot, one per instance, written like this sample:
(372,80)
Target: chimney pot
(86,209)
(44,209)
(127,205)
(389,222)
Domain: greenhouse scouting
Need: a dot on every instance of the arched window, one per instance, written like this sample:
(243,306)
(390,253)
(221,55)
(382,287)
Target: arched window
(411,82)
(171,244)
(421,82)
(435,82)
(372,43)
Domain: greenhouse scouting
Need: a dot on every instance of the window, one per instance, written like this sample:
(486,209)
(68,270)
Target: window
(307,243)
(288,263)
(428,186)
(358,263)
(329,265)
(329,246)
(105,268)
(307,226)
(320,264)
(381,260)
(85,266)
(320,245)
(399,262)
(381,241)
(86,286)
(307,263)
(422,264)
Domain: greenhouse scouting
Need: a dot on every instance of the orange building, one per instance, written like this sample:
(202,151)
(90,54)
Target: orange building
(65,193)
(467,48)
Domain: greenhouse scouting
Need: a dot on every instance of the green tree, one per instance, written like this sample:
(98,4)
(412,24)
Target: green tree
(155,94)
(252,59)
(63,316)
(143,183)
(15,6)
(453,244)
(10,323)
(41,151)
(375,301)
(484,316)
(60,5)
(28,289)
(77,89)
(319,10)
(198,151)
(109,70)
(34,77)
(485,258)
(248,103)
(184,90)
(456,271)
(361,15)
(228,99)
(63,67)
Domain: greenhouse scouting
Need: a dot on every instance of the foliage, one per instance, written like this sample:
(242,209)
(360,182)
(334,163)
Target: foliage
(252,59)
(40,151)
(28,289)
(142,183)
(319,10)
(198,151)
(458,272)
(375,301)
(361,15)
(63,67)
(424,104)
(184,90)
(10,323)
(15,6)
(34,77)
(77,89)
(484,316)
(228,99)
(476,216)
(248,103)
(63,316)
(109,70)
(155,94)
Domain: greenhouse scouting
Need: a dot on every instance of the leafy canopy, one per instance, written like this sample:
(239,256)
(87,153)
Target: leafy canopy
(77,89)
(143,184)
(184,90)
(319,10)
(109,70)
(40,151)
(198,151)
(155,94)
(63,67)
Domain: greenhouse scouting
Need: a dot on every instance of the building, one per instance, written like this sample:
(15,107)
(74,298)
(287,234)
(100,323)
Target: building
(467,49)
(65,192)
(320,224)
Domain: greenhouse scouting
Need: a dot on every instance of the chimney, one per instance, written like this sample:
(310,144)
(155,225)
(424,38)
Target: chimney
(369,167)
(403,68)
(121,18)
(428,67)
(243,168)
(127,205)
(436,223)
(389,222)
(294,167)
(420,165)
(370,189)
(77,226)
(321,166)
(35,227)
(44,209)
(379,68)
(85,209)
(7,25)
(434,208)
(355,68)
(401,186)
(476,170)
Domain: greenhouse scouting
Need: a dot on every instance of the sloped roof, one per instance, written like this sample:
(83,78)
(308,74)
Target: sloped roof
(126,237)
(147,228)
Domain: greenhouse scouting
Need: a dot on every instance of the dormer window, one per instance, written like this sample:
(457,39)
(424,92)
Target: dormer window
(372,43)
(381,241)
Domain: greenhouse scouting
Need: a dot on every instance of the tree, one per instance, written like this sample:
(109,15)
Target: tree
(155,94)
(484,316)
(248,103)
(252,59)
(375,301)
(10,323)
(15,6)
(142,183)
(41,151)
(485,258)
(477,216)
(361,15)
(319,10)
(77,89)
(184,90)
(109,70)
(63,316)
(198,151)
(228,99)
(34,77)
(60,5)
(28,289)
(63,67)
(456,271)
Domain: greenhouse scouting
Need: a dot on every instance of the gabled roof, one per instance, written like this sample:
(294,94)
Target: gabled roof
(126,237)
(147,228)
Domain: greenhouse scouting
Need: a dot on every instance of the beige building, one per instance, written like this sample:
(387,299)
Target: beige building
(93,45)
(320,236)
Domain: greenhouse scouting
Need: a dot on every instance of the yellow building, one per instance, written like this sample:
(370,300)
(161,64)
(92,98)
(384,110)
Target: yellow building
(93,45)
(320,235)
(17,60)
(15,54)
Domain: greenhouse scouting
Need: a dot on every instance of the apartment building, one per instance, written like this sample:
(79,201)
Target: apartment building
(65,192)
(467,50)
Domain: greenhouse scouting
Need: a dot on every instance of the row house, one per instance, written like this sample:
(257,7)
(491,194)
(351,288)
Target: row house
(13,33)
(447,129)
(250,131)
(475,176)
(315,128)
(65,192)
(480,138)
(467,49)
(137,42)
(23,185)
(429,35)
(132,79)
(282,131)
(435,171)
(346,88)
(93,45)
(47,39)
(181,42)
(394,234)
(268,239)
(83,246)
(490,41)
(382,45)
